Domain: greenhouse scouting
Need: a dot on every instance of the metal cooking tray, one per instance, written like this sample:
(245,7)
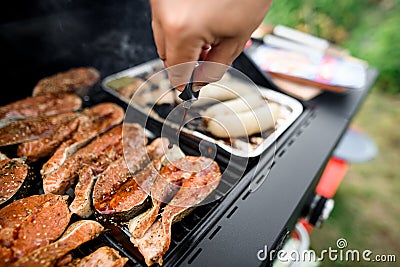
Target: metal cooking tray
(290,110)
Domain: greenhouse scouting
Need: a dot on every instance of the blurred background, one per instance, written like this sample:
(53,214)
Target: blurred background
(366,213)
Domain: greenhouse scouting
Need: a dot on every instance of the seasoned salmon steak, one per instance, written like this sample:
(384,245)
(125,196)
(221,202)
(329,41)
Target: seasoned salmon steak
(68,138)
(76,80)
(199,177)
(113,156)
(76,234)
(32,129)
(64,177)
(31,223)
(36,106)
(102,257)
(14,178)
(117,194)
(106,147)
(45,146)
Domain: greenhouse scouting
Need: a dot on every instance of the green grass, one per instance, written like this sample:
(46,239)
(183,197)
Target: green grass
(369,29)
(367,210)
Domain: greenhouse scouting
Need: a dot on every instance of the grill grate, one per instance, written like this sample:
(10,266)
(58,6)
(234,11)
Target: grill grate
(182,231)
(118,236)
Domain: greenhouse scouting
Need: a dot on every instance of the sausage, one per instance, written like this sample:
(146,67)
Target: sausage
(244,123)
(237,105)
(226,89)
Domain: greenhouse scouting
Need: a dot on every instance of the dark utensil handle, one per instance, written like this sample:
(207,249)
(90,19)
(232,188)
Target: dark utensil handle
(187,93)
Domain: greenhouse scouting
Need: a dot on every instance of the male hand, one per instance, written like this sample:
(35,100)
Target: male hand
(213,31)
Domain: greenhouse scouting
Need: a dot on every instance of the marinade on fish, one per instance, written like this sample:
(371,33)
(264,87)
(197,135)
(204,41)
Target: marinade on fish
(33,128)
(15,179)
(76,234)
(76,80)
(102,257)
(60,180)
(91,122)
(39,106)
(45,146)
(118,193)
(199,177)
(31,223)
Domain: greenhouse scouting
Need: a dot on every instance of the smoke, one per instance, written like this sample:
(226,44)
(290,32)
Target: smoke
(44,37)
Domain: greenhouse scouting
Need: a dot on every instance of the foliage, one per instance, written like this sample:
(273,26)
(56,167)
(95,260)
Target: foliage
(366,210)
(369,29)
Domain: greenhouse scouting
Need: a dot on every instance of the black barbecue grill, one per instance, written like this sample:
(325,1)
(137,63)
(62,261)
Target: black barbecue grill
(261,208)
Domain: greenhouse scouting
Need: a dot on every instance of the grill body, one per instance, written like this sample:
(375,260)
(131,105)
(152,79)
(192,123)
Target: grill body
(40,38)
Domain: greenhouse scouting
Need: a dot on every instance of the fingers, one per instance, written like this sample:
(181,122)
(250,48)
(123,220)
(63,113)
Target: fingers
(181,59)
(218,59)
(182,28)
(179,75)
(159,39)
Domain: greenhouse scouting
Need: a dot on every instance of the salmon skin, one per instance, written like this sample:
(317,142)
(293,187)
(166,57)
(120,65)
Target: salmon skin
(76,80)
(64,177)
(117,195)
(31,223)
(45,105)
(76,234)
(124,198)
(15,179)
(94,172)
(199,176)
(91,173)
(32,129)
(161,189)
(81,204)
